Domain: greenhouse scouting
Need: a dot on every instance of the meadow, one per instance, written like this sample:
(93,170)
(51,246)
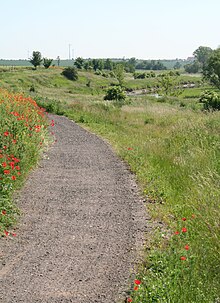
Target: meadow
(173,147)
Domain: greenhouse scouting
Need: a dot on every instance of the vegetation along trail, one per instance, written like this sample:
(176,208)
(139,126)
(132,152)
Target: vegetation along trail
(83,222)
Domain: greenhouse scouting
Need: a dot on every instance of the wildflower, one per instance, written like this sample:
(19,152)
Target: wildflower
(193,216)
(4,212)
(19,173)
(4,164)
(14,234)
(177,232)
(136,288)
(183,258)
(6,171)
(184,230)
(52,123)
(12,164)
(186,247)
(130,148)
(6,233)
(17,167)
(138,282)
(13,178)
(184,219)
(6,134)
(14,141)
(129,300)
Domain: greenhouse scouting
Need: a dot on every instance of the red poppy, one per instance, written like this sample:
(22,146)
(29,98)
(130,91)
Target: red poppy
(4,212)
(186,247)
(130,148)
(184,230)
(6,171)
(12,164)
(183,258)
(129,300)
(14,234)
(138,282)
(13,178)
(4,164)
(184,219)
(14,141)
(6,134)
(6,233)
(177,232)
(17,167)
(136,288)
(19,173)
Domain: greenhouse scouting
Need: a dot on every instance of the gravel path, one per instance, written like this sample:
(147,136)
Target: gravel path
(83,222)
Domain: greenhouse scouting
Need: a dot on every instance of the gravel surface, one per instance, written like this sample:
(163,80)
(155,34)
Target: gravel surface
(82,225)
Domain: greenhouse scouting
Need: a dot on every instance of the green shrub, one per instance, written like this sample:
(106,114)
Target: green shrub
(210,100)
(70,73)
(115,93)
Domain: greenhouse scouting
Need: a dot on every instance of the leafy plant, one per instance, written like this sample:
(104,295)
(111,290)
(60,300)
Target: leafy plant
(210,100)
(115,93)
(47,62)
(70,73)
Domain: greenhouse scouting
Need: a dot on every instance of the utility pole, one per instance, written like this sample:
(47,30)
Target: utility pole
(69,51)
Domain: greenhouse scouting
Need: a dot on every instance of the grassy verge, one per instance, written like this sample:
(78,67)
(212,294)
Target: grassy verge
(175,154)
(23,134)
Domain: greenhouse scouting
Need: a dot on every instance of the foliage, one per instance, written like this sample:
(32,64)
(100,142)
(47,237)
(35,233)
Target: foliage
(79,62)
(202,54)
(168,85)
(210,100)
(36,59)
(23,133)
(70,73)
(211,70)
(47,62)
(193,67)
(115,93)
(119,73)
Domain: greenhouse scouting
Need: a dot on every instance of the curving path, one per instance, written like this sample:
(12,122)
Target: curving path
(82,222)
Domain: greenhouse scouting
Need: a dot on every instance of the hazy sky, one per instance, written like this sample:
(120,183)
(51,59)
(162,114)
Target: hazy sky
(147,29)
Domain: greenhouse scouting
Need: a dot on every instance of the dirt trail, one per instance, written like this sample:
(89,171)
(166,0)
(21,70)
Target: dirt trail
(82,221)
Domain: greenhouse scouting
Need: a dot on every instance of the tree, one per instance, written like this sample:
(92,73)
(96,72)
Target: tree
(36,59)
(177,65)
(211,70)
(119,73)
(108,64)
(169,85)
(202,54)
(70,73)
(79,62)
(47,62)
(192,68)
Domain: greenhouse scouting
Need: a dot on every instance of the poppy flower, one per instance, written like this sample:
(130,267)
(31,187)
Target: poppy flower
(184,230)
(4,164)
(136,288)
(184,219)
(6,233)
(177,232)
(186,247)
(13,178)
(6,134)
(17,167)
(137,282)
(4,212)
(6,171)
(183,258)
(129,300)
(130,148)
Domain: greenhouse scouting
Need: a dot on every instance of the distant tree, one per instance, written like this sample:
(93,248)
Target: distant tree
(79,62)
(108,64)
(177,65)
(36,59)
(193,67)
(47,62)
(169,85)
(211,70)
(70,73)
(202,54)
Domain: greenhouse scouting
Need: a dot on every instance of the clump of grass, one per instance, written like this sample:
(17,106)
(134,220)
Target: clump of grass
(23,134)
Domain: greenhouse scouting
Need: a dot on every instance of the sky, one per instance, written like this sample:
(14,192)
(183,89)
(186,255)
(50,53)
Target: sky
(144,29)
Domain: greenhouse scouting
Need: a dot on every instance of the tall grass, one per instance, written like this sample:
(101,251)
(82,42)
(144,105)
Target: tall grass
(176,155)
(23,134)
